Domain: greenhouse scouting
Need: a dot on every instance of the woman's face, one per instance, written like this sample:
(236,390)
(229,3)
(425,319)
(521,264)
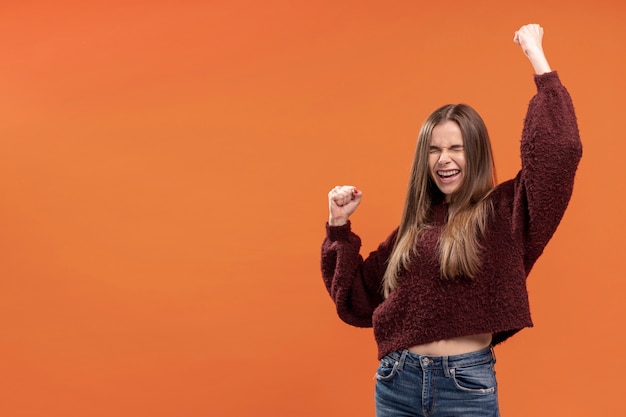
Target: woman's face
(446,158)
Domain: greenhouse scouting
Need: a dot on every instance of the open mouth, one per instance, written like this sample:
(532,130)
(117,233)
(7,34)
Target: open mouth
(448,174)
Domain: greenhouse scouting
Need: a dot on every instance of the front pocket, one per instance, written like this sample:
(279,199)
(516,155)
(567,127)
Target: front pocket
(479,379)
(387,369)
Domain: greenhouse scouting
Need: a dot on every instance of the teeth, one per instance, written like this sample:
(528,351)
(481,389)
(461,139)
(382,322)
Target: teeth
(448,173)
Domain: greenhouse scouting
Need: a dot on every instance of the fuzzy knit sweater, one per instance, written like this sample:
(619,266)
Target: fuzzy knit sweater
(527,210)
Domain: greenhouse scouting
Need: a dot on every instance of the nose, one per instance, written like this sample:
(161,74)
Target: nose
(444,158)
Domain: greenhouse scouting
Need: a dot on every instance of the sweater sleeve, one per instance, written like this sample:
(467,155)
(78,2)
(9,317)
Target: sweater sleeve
(353,283)
(550,151)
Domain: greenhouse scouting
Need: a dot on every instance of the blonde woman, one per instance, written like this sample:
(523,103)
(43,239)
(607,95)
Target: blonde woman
(450,282)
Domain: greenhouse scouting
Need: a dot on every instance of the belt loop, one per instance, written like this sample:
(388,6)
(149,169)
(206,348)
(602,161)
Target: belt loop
(402,359)
(493,353)
(446,369)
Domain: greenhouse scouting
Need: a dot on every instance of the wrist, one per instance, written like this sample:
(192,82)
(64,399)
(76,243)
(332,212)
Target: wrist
(337,221)
(541,66)
(538,60)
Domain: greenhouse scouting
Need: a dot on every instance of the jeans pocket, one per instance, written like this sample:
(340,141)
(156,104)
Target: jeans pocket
(478,379)
(387,369)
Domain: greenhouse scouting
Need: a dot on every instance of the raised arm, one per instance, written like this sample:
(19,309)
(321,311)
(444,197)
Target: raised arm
(353,283)
(550,151)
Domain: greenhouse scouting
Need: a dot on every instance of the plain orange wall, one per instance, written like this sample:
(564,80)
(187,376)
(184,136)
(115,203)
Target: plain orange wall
(163,175)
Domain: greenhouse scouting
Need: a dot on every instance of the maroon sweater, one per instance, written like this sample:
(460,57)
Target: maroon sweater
(527,210)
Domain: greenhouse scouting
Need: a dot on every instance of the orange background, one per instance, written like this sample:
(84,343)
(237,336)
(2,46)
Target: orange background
(163,175)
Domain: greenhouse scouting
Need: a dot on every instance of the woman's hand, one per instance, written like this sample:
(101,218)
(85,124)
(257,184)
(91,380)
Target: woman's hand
(342,201)
(529,38)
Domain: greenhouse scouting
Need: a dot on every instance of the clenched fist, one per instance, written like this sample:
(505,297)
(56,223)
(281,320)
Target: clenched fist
(529,38)
(342,201)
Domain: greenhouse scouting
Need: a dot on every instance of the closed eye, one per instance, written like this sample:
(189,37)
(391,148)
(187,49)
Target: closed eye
(454,148)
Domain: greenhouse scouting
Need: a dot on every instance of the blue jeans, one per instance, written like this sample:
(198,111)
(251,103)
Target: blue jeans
(410,385)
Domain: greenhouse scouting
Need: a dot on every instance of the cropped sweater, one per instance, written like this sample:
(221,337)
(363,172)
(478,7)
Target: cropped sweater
(526,212)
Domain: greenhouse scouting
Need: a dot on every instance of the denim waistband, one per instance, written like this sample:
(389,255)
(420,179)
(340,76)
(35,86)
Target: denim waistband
(406,358)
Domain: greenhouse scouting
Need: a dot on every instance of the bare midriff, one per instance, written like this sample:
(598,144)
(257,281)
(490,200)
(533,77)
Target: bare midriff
(454,346)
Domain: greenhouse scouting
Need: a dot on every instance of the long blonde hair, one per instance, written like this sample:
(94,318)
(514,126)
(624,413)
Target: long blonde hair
(469,209)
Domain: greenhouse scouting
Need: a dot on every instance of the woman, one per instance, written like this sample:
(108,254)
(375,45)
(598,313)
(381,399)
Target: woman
(450,282)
